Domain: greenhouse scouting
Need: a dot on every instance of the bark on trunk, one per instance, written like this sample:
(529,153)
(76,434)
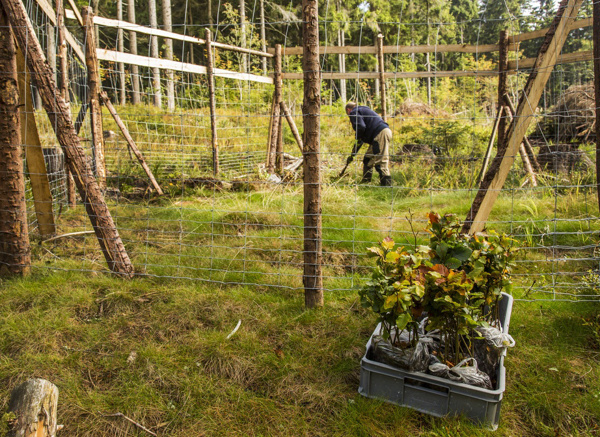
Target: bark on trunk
(94,85)
(342,60)
(278,99)
(135,75)
(108,237)
(35,403)
(15,255)
(263,38)
(168,26)
(381,62)
(311,107)
(154,53)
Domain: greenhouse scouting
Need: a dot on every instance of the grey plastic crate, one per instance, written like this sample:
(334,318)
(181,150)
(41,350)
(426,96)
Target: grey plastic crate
(431,394)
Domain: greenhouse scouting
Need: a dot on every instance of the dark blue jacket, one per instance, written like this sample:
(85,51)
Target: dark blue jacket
(366,123)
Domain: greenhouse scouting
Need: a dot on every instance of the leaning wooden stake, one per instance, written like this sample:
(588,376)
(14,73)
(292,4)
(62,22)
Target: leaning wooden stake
(35,405)
(380,60)
(596,38)
(130,142)
(530,152)
(34,155)
(488,152)
(212,103)
(93,76)
(15,254)
(290,120)
(542,69)
(311,108)
(60,118)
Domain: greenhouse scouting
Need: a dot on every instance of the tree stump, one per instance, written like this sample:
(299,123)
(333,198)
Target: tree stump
(35,403)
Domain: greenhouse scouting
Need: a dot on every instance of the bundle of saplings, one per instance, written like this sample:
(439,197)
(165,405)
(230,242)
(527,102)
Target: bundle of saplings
(438,304)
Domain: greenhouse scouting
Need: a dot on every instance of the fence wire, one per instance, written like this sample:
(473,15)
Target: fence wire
(245,227)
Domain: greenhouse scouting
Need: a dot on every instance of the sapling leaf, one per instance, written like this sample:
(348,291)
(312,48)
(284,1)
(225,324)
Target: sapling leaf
(387,243)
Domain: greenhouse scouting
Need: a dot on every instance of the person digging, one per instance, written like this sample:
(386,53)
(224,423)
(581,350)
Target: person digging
(371,129)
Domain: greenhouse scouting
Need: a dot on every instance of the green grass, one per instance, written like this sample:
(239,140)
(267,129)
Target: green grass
(287,371)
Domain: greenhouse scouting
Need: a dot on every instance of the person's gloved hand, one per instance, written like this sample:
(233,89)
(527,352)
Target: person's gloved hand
(350,159)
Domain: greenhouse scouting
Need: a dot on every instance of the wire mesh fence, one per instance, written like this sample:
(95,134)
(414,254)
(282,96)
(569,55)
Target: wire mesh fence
(245,225)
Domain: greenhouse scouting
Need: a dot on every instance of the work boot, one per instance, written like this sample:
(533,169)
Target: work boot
(385,181)
(367,175)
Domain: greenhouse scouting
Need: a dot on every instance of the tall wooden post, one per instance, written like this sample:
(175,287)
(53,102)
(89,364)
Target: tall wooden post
(154,53)
(135,75)
(51,47)
(64,87)
(502,88)
(278,97)
(121,49)
(211,96)
(15,254)
(60,118)
(94,88)
(275,113)
(168,26)
(380,60)
(596,38)
(311,108)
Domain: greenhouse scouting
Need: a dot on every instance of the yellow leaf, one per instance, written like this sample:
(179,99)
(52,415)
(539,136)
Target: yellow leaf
(387,243)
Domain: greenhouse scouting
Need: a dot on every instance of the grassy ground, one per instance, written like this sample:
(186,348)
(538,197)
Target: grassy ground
(157,352)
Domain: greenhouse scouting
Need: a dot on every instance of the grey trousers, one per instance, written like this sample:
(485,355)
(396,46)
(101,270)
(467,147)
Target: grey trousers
(378,153)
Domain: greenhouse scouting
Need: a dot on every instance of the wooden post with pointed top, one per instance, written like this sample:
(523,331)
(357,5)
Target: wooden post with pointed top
(502,88)
(311,110)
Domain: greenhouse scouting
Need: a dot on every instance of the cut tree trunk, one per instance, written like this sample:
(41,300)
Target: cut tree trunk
(15,254)
(311,109)
(35,405)
(154,53)
(135,75)
(168,26)
(60,119)
(212,102)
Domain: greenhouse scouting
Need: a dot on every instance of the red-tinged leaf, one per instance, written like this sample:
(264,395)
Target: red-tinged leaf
(374,251)
(433,217)
(441,269)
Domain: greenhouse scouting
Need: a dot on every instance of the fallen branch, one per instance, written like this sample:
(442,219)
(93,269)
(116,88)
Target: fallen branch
(140,426)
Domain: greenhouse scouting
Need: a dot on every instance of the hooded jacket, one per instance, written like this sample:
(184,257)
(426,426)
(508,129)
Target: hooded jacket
(366,123)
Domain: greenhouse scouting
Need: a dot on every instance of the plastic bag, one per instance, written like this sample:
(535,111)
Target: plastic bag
(384,352)
(462,373)
(495,337)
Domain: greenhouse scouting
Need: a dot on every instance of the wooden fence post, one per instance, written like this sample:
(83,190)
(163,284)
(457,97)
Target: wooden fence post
(34,155)
(380,60)
(60,118)
(15,254)
(64,87)
(502,77)
(35,405)
(168,26)
(275,112)
(212,103)
(311,108)
(154,53)
(278,99)
(93,76)
(121,48)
